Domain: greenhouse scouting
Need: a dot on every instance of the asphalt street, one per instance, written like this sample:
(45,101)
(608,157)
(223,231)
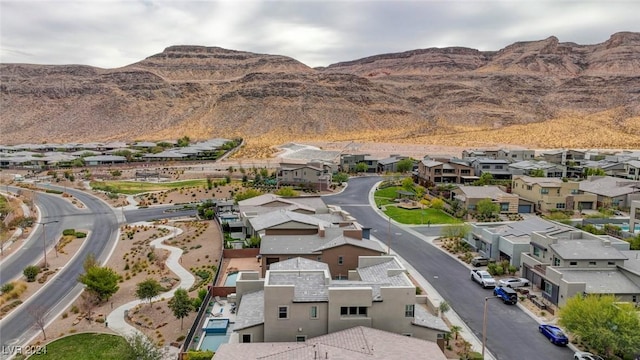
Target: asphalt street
(511,333)
(98,217)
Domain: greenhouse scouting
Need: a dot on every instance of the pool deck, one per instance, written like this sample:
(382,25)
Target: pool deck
(237,264)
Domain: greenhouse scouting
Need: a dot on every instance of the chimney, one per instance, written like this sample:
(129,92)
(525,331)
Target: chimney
(321,231)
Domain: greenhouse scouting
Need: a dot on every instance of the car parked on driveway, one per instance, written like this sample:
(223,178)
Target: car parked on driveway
(554,334)
(583,355)
(513,282)
(479,261)
(483,278)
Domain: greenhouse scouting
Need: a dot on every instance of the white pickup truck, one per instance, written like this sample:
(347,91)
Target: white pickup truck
(483,278)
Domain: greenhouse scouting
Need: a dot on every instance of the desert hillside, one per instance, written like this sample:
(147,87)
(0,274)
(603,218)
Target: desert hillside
(542,94)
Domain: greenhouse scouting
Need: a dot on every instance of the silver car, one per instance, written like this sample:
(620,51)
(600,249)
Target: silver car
(513,282)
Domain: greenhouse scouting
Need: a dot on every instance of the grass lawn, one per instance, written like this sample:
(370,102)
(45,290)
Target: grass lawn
(386,196)
(418,216)
(137,187)
(88,346)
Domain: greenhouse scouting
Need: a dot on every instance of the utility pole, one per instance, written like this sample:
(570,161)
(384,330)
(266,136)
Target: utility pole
(44,239)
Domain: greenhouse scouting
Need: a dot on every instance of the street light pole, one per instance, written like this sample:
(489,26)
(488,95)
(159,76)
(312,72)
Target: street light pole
(484,323)
(44,239)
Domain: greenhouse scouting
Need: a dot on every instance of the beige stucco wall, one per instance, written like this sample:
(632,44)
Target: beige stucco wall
(256,332)
(338,297)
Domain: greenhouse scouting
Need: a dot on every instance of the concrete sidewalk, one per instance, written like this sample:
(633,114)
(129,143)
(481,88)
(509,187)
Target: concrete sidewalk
(116,319)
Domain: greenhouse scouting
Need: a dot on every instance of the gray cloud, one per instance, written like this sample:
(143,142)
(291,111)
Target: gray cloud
(111,34)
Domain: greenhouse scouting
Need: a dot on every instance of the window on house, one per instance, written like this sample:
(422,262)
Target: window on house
(486,166)
(536,251)
(548,288)
(246,338)
(544,191)
(498,166)
(301,338)
(319,258)
(504,206)
(314,312)
(560,205)
(634,298)
(611,263)
(409,310)
(529,187)
(340,260)
(556,261)
(353,311)
(573,263)
(283,312)
(592,263)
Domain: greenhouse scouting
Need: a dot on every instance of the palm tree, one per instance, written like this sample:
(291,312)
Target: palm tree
(455,330)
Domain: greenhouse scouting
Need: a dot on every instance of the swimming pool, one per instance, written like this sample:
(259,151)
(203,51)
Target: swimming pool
(624,227)
(231,279)
(215,332)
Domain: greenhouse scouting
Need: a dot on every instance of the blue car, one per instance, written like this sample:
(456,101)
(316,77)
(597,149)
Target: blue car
(554,334)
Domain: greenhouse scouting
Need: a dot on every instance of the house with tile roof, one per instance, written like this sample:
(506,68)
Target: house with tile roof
(297,300)
(356,343)
(565,263)
(315,175)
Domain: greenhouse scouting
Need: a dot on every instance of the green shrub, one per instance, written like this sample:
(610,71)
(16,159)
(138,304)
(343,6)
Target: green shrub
(474,355)
(30,272)
(6,287)
(69,232)
(491,268)
(199,355)
(81,235)
(499,270)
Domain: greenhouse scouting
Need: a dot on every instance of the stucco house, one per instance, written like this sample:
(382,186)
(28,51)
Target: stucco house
(444,171)
(508,240)
(553,194)
(529,167)
(298,299)
(612,191)
(471,195)
(356,343)
(565,263)
(314,175)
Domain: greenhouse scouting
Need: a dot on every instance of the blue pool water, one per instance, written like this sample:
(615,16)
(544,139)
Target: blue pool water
(231,279)
(217,326)
(624,227)
(213,341)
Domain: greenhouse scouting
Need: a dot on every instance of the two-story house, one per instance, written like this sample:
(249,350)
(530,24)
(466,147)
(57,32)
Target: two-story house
(566,263)
(348,162)
(530,167)
(508,240)
(469,196)
(314,175)
(498,168)
(444,171)
(611,191)
(572,159)
(338,247)
(297,299)
(511,155)
(553,194)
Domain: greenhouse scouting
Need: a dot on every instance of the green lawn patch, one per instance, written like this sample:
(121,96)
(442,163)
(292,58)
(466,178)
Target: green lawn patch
(88,346)
(418,216)
(136,187)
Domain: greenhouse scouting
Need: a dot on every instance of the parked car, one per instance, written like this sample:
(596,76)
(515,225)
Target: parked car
(513,282)
(479,261)
(554,334)
(483,278)
(508,295)
(583,355)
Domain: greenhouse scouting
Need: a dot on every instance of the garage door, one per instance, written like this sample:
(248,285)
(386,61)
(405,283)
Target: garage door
(586,205)
(524,209)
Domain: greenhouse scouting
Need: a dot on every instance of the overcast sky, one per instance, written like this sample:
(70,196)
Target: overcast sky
(111,34)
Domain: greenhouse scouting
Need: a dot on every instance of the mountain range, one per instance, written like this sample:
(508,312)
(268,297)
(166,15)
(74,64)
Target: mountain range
(538,93)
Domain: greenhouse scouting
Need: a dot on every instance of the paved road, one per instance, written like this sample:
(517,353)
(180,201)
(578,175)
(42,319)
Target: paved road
(511,334)
(157,212)
(19,326)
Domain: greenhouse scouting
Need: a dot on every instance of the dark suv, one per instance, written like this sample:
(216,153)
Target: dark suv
(508,295)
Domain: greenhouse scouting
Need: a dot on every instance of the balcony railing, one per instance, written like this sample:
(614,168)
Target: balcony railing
(542,269)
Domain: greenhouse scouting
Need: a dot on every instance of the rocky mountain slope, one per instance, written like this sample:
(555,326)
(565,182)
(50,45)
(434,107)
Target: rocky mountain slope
(418,95)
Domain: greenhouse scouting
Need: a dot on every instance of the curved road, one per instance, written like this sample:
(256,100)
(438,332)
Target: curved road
(99,218)
(511,334)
